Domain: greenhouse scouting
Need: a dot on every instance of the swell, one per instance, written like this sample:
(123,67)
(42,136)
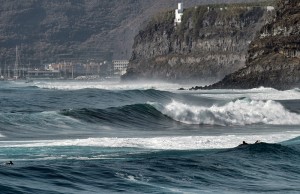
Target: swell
(239,170)
(152,116)
(42,113)
(37,100)
(132,115)
(238,112)
(267,150)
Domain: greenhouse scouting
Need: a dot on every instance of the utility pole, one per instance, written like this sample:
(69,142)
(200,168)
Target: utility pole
(16,71)
(72,71)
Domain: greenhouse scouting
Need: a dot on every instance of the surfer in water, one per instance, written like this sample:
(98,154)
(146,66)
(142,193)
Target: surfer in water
(245,143)
(9,163)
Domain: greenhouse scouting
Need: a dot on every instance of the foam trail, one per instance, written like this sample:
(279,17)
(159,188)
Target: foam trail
(255,94)
(107,85)
(239,112)
(160,143)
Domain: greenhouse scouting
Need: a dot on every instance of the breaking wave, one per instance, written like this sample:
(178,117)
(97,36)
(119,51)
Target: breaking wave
(159,143)
(238,112)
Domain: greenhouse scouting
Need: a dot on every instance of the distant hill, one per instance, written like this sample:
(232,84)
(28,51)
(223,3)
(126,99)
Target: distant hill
(54,30)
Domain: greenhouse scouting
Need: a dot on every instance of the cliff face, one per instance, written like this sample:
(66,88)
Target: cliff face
(274,56)
(210,43)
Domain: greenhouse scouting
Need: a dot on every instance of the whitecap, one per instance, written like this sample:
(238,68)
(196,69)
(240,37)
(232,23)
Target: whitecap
(238,112)
(107,85)
(162,143)
(260,93)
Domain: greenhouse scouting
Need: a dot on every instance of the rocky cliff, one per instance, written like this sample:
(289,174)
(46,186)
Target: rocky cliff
(211,42)
(274,56)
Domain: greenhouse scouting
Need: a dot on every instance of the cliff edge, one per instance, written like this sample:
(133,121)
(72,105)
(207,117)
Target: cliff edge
(209,43)
(274,56)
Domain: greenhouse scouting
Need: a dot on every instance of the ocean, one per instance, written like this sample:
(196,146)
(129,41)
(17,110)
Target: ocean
(106,137)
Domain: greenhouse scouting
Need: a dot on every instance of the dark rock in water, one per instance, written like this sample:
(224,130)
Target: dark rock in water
(209,43)
(197,88)
(274,56)
(181,89)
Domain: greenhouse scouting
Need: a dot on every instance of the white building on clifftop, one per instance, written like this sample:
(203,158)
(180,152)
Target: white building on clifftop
(178,14)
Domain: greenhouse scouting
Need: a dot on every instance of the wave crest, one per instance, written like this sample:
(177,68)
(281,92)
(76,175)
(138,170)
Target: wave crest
(238,112)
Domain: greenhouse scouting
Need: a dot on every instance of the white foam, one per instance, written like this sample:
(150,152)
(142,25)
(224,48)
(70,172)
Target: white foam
(163,143)
(255,94)
(239,112)
(106,85)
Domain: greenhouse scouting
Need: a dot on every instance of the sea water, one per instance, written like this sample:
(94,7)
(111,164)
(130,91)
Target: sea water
(108,137)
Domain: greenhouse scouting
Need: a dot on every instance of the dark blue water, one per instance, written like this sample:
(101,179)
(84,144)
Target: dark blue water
(78,137)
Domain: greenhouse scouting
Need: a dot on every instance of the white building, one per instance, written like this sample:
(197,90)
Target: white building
(178,14)
(120,66)
(270,8)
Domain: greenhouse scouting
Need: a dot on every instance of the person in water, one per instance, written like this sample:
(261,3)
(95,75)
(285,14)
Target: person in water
(244,143)
(9,163)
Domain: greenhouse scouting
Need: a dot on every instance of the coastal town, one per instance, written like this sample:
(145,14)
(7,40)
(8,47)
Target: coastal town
(89,70)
